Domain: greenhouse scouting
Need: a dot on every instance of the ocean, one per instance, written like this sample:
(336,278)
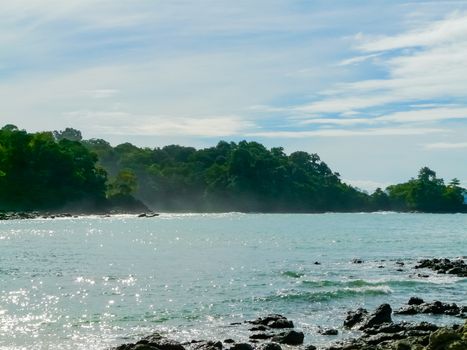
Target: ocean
(97,282)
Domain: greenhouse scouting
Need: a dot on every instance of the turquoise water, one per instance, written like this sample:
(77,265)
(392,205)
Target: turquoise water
(89,283)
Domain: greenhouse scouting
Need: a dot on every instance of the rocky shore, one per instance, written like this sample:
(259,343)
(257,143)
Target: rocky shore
(378,332)
(48,215)
(375,330)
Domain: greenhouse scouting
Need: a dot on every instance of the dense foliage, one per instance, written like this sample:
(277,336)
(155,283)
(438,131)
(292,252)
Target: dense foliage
(38,172)
(51,170)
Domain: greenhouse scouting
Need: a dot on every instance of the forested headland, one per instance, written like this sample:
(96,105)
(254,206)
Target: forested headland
(59,170)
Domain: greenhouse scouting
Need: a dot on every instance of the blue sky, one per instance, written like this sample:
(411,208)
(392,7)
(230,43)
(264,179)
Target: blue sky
(377,88)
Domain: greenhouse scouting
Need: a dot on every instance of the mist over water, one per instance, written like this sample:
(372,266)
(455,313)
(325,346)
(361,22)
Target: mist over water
(91,282)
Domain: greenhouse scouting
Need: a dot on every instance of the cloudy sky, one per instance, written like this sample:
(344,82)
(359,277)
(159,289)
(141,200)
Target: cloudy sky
(377,88)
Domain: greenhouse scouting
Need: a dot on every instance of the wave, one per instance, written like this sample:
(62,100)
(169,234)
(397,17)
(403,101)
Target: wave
(293,274)
(308,296)
(362,283)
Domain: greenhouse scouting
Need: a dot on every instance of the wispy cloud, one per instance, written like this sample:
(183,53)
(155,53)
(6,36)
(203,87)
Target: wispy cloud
(446,145)
(124,123)
(350,133)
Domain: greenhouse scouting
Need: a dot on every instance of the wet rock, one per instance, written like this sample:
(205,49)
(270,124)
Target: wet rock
(229,341)
(271,346)
(415,301)
(357,261)
(207,345)
(259,328)
(328,331)
(355,317)
(242,346)
(273,321)
(381,315)
(261,336)
(435,308)
(454,267)
(290,338)
(310,347)
(162,343)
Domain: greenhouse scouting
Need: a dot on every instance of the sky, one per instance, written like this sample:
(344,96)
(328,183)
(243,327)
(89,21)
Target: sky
(378,89)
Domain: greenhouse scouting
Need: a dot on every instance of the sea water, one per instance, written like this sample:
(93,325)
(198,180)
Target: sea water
(94,282)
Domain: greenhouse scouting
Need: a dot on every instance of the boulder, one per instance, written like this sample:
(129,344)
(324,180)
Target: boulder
(355,317)
(290,338)
(381,315)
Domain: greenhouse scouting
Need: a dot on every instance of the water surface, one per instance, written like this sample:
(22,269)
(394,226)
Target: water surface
(89,283)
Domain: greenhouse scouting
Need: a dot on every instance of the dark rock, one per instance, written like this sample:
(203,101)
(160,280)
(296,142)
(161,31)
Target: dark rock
(381,315)
(242,346)
(271,346)
(163,343)
(355,317)
(454,267)
(273,321)
(435,308)
(259,328)
(207,345)
(310,347)
(229,341)
(290,338)
(261,336)
(328,331)
(317,263)
(357,261)
(415,301)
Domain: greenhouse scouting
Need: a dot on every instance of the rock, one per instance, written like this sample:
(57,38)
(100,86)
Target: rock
(242,346)
(271,346)
(415,301)
(259,328)
(357,261)
(355,317)
(207,345)
(328,331)
(317,263)
(290,338)
(381,315)
(261,336)
(162,343)
(273,321)
(435,308)
(454,267)
(229,341)
(442,337)
(310,347)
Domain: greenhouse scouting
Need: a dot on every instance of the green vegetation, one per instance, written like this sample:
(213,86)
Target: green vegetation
(45,171)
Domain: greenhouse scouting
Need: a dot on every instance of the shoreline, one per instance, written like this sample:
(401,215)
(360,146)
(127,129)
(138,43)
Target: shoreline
(376,330)
(28,215)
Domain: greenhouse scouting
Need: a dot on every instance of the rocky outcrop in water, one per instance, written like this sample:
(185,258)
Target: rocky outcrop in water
(444,266)
(382,334)
(419,306)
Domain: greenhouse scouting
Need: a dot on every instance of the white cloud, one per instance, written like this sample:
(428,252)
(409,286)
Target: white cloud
(358,59)
(425,115)
(446,145)
(431,67)
(447,31)
(123,123)
(350,133)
